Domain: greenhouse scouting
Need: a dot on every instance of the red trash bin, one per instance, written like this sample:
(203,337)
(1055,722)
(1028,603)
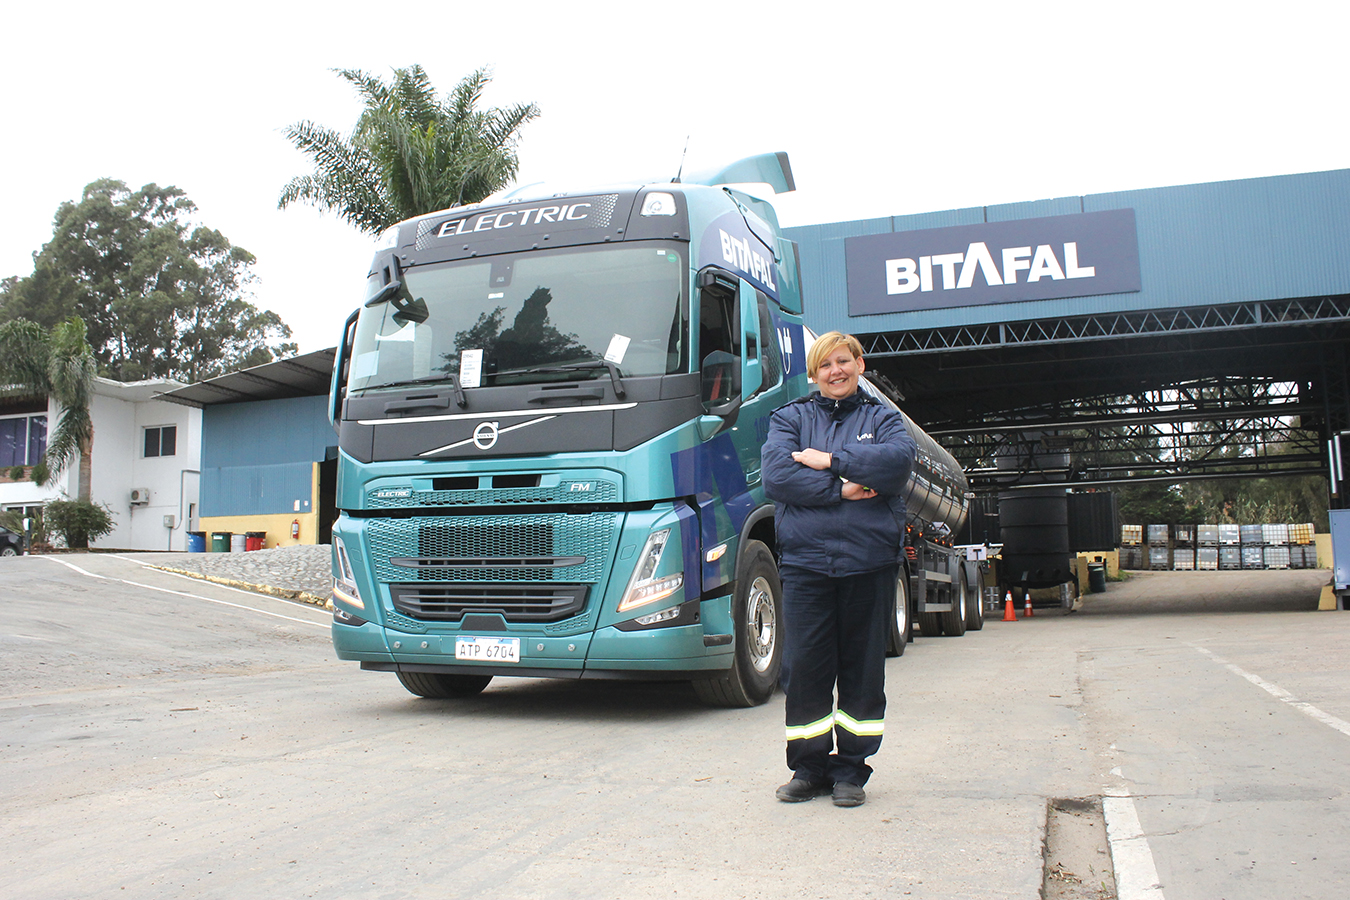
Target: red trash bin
(253,540)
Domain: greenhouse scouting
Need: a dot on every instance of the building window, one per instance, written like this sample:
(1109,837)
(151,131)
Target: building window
(23,440)
(162,440)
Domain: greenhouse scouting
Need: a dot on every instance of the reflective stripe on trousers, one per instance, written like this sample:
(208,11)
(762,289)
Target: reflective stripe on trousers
(864,728)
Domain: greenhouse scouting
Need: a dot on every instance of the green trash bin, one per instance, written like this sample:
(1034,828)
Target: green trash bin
(1097,578)
(220,541)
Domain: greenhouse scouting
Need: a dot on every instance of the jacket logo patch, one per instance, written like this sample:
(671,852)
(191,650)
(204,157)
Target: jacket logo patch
(865,437)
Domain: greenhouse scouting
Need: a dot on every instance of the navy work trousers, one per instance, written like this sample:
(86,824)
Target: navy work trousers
(836,630)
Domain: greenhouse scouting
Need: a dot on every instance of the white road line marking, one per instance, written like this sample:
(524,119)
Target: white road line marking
(1281,694)
(151,587)
(1136,874)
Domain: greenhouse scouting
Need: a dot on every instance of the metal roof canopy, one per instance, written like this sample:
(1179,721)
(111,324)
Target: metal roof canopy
(307,375)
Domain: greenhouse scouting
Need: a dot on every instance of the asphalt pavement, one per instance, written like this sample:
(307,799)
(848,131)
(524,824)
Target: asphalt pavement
(165,738)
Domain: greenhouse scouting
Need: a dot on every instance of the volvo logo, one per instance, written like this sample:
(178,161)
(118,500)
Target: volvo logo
(485,435)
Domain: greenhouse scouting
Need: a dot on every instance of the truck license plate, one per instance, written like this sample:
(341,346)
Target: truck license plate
(482,649)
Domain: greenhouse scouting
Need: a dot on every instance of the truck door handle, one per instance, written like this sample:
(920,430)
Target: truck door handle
(435,401)
(539,396)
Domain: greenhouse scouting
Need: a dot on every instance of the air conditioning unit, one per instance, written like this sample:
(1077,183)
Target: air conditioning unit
(140,496)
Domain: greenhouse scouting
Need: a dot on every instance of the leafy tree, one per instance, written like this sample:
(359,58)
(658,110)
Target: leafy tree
(161,297)
(57,364)
(410,153)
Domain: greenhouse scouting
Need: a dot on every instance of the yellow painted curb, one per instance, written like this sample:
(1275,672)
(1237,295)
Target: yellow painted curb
(284,593)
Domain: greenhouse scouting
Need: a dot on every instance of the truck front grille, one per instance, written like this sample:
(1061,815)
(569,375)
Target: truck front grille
(515,603)
(545,547)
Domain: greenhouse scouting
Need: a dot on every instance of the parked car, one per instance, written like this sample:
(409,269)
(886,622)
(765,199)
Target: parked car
(11,544)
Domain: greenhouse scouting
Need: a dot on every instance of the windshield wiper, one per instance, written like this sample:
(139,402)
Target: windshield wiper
(614,378)
(460,399)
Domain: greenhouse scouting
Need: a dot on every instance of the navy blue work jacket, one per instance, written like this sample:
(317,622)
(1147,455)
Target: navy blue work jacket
(818,529)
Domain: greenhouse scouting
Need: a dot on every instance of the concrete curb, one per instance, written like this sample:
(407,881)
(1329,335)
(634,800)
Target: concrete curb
(283,593)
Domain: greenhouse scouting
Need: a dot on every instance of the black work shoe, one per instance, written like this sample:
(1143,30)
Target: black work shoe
(846,794)
(799,789)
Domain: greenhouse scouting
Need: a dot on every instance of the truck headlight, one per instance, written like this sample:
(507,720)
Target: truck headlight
(645,586)
(344,579)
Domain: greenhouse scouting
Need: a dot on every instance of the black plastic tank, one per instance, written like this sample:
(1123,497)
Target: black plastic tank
(1034,522)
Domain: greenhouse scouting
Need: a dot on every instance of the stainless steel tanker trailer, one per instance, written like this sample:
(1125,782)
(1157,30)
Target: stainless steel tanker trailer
(942,586)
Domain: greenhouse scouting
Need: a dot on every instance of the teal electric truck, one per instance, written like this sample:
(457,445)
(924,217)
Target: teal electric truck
(549,410)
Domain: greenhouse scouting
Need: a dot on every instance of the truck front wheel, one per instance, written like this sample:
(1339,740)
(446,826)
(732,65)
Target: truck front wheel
(757,614)
(440,686)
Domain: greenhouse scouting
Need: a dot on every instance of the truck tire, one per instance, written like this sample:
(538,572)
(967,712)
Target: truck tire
(975,605)
(442,686)
(930,624)
(900,621)
(954,621)
(757,618)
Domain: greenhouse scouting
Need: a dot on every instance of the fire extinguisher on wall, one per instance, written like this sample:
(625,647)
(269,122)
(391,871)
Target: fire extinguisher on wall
(295,530)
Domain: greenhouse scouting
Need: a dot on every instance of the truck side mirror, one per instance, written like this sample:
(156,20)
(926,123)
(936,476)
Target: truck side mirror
(721,382)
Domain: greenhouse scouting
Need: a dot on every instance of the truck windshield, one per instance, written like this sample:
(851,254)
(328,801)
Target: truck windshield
(521,317)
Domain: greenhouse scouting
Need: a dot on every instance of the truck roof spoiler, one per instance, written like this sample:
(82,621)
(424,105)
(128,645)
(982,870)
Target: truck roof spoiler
(772,169)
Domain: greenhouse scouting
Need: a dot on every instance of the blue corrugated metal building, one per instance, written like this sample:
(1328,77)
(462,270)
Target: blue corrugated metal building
(268,451)
(1281,237)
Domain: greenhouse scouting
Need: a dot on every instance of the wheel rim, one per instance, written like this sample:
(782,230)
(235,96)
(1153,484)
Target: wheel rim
(761,625)
(901,610)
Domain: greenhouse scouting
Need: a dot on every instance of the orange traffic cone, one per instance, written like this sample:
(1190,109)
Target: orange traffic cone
(1009,615)
(1026,610)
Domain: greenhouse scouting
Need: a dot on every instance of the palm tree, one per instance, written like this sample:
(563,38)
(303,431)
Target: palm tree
(58,364)
(410,153)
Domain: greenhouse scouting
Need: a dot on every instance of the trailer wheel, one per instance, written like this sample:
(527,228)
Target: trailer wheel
(442,686)
(954,621)
(930,625)
(975,605)
(900,625)
(757,617)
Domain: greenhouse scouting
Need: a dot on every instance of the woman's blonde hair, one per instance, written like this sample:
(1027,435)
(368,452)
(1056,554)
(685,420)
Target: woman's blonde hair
(826,344)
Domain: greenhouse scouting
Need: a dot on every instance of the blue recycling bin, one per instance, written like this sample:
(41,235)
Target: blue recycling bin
(196,542)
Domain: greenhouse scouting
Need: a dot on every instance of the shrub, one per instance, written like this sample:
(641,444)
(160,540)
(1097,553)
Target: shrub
(78,521)
(13,520)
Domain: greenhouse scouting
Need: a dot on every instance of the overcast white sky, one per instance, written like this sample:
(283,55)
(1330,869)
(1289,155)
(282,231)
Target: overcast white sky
(884,108)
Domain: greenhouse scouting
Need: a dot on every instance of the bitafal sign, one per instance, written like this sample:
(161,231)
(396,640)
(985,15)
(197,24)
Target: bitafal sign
(993,262)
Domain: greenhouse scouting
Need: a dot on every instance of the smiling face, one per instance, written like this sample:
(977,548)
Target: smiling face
(837,374)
